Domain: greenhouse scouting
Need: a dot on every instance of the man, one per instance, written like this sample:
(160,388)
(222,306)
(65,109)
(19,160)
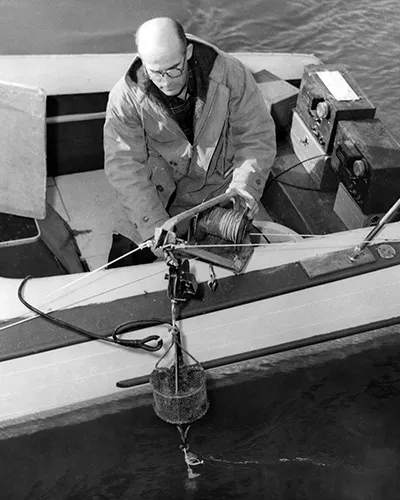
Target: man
(186,123)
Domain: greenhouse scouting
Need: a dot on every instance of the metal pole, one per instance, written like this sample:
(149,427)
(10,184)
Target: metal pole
(178,350)
(376,230)
(174,310)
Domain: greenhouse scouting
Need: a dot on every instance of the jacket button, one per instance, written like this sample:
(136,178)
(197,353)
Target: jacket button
(145,219)
(258,181)
(173,163)
(160,188)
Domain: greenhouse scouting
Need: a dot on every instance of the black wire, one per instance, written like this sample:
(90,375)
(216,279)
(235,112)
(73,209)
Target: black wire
(298,164)
(129,326)
(305,188)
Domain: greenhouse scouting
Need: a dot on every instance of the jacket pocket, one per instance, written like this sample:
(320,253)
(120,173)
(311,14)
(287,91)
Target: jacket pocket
(161,177)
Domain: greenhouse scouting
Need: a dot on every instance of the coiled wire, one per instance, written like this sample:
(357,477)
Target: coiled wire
(225,223)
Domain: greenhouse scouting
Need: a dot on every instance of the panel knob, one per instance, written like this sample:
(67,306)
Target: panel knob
(359,168)
(323,110)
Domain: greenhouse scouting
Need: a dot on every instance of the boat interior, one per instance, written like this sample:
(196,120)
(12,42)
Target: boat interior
(85,200)
(334,171)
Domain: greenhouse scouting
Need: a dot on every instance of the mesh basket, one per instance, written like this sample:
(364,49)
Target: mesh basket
(183,399)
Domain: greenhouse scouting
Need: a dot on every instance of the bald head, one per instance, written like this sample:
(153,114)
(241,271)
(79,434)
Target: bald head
(160,38)
(165,53)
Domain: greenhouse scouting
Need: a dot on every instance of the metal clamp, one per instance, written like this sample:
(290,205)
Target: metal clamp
(182,284)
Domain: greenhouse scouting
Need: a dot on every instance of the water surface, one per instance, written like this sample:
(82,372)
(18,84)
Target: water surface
(318,423)
(362,34)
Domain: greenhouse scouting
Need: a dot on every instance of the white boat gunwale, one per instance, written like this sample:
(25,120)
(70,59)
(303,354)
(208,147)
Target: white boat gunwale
(56,73)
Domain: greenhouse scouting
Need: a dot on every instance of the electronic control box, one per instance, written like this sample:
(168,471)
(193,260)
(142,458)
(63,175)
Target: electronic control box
(328,95)
(366,159)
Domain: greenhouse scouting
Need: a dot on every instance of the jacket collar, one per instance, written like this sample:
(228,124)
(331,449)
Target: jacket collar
(203,60)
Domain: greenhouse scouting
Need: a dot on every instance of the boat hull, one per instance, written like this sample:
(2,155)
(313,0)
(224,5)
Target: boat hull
(279,308)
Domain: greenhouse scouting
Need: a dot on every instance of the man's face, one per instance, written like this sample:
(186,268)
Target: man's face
(168,72)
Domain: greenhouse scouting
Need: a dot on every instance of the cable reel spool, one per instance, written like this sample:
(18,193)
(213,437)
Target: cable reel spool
(216,234)
(219,236)
(227,224)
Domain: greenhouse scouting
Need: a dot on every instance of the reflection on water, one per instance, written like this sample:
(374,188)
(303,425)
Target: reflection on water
(321,423)
(363,35)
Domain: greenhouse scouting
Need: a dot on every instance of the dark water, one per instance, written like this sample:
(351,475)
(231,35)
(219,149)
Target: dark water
(306,430)
(362,34)
(319,423)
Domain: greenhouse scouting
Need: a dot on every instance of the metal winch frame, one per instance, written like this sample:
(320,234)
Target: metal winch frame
(231,249)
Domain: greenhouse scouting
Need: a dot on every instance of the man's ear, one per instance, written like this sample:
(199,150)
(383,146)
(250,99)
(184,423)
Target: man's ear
(189,51)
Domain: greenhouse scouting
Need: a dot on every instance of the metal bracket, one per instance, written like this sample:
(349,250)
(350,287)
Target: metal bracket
(219,252)
(182,284)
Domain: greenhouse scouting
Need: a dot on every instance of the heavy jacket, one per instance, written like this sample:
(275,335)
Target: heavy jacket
(152,165)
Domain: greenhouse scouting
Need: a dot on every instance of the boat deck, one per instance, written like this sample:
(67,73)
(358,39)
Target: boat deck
(87,202)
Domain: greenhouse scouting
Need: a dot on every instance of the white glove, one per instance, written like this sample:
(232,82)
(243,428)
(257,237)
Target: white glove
(245,199)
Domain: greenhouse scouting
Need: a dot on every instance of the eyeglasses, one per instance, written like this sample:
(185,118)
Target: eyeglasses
(171,72)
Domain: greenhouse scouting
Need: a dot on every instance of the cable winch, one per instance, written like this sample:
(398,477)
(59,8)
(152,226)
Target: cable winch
(227,224)
(217,234)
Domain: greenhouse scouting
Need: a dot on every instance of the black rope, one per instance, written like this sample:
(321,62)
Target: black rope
(124,327)
(297,186)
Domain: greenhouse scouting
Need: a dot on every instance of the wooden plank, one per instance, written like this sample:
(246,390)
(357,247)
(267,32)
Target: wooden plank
(336,261)
(23,148)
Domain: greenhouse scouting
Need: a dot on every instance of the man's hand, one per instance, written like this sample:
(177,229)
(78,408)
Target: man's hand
(245,199)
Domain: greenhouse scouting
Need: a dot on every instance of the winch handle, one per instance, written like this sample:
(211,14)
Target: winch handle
(173,221)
